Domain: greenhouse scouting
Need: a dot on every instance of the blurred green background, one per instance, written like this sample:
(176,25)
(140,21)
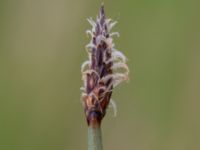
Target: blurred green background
(42,45)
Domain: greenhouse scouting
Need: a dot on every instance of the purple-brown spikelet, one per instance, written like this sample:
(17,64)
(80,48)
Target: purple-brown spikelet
(99,73)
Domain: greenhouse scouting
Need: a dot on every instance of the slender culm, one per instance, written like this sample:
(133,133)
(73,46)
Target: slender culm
(105,69)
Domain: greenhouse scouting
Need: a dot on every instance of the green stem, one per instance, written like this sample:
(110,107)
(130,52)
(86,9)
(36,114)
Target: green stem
(94,138)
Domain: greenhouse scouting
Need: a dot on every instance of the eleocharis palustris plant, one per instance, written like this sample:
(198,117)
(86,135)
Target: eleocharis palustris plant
(105,69)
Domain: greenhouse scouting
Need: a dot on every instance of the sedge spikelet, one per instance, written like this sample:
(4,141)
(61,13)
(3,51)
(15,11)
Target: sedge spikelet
(105,69)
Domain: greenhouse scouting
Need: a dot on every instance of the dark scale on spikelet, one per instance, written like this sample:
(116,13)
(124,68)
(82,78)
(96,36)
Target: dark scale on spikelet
(99,72)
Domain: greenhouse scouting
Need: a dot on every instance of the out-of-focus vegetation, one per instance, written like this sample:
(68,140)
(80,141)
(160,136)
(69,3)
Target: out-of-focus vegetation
(42,46)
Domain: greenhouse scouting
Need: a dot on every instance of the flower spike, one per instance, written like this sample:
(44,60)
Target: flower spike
(105,69)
